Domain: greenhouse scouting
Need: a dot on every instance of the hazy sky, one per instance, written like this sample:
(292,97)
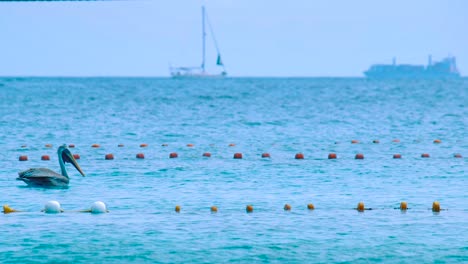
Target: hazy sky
(256,38)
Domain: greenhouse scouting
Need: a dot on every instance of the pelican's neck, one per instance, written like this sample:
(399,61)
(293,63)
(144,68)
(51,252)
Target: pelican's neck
(62,165)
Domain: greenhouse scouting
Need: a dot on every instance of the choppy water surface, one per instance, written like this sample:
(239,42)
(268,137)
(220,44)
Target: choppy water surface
(279,116)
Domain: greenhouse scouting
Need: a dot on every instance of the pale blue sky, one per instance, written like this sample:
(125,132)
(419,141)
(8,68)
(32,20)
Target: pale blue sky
(256,38)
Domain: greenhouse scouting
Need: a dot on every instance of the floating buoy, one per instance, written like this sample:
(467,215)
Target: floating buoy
(8,210)
(437,141)
(359,156)
(403,206)
(265,155)
(457,155)
(435,206)
(190,145)
(173,155)
(99,208)
(143,145)
(52,207)
(140,156)
(287,207)
(23,158)
(249,208)
(177,208)
(238,155)
(299,156)
(214,209)
(354,141)
(397,156)
(109,156)
(425,155)
(396,140)
(71,145)
(360,207)
(76,156)
(48,145)
(332,156)
(310,206)
(375,141)
(120,145)
(232,145)
(207,154)
(45,157)
(95,146)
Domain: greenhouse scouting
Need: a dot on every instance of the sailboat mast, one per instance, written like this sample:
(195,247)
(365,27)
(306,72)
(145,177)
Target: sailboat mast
(203,38)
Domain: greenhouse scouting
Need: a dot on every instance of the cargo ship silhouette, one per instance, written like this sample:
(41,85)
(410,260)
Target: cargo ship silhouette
(447,68)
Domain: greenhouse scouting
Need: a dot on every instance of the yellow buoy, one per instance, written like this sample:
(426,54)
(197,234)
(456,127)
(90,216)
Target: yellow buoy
(7,209)
(435,206)
(403,206)
(360,207)
(214,209)
(249,208)
(177,208)
(310,206)
(287,207)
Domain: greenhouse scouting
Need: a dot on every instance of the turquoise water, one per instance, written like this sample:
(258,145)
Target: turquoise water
(279,116)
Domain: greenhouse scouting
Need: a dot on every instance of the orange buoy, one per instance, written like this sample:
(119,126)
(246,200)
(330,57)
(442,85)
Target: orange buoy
(120,145)
(214,209)
(332,156)
(265,155)
(310,206)
(76,156)
(95,146)
(249,208)
(396,140)
(238,155)
(173,155)
(207,154)
(287,207)
(425,155)
(8,210)
(397,156)
(232,144)
(354,141)
(23,158)
(190,145)
(140,156)
(45,157)
(109,156)
(299,156)
(457,155)
(435,206)
(360,207)
(143,145)
(359,156)
(437,141)
(71,145)
(403,206)
(177,208)
(375,141)
(48,145)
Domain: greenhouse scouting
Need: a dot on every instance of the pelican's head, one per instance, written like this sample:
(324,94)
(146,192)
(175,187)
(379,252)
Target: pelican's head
(52,207)
(66,156)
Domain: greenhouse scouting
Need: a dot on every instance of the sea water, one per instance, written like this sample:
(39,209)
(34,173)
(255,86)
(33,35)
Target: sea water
(279,116)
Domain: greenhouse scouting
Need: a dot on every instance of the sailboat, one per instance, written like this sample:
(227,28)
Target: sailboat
(200,72)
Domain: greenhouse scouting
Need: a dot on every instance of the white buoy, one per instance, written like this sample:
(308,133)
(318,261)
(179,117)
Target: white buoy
(52,207)
(98,208)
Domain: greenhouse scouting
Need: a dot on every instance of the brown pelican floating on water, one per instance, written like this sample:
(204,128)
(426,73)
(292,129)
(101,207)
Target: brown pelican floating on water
(42,177)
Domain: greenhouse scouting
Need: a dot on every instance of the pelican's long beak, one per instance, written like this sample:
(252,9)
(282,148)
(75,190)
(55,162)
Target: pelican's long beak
(72,160)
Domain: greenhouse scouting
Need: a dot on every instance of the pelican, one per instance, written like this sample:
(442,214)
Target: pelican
(42,177)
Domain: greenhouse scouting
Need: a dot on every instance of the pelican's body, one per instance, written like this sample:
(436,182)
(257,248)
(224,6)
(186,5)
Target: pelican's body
(42,177)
